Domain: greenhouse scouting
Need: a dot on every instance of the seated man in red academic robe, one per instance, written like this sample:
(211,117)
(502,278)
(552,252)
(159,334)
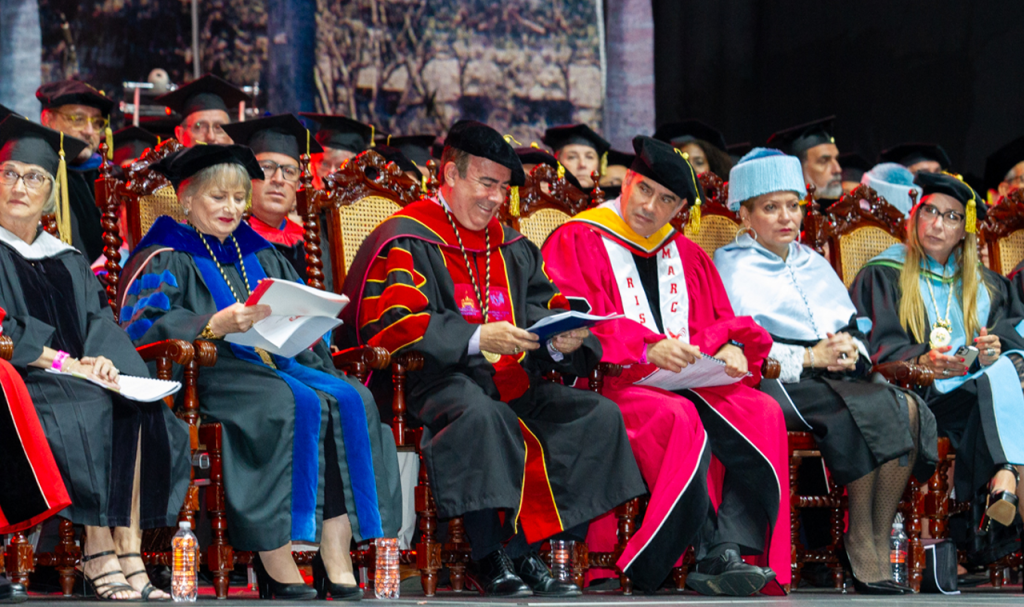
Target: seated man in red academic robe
(625,257)
(445,278)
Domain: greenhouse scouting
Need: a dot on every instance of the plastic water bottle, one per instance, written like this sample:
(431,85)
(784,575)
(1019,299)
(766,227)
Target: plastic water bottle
(898,551)
(387,578)
(184,548)
(561,559)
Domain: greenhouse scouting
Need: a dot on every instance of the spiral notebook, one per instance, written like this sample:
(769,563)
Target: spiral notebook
(706,372)
(141,389)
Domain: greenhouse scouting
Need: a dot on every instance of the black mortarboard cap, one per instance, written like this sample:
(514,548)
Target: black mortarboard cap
(532,155)
(911,153)
(341,133)
(1001,161)
(617,158)
(5,112)
(415,147)
(481,140)
(395,155)
(665,165)
(25,141)
(798,139)
(557,137)
(73,92)
(130,142)
(739,150)
(952,185)
(854,166)
(181,165)
(283,134)
(681,133)
(206,93)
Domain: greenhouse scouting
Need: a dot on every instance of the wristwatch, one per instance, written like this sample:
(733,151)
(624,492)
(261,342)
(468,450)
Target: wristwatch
(733,342)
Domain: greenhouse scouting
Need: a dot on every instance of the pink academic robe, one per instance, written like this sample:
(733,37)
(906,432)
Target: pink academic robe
(672,433)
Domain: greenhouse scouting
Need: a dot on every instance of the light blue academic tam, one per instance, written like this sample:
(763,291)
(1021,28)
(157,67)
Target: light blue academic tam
(893,182)
(762,171)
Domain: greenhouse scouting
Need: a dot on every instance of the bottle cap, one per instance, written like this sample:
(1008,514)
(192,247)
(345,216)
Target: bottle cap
(184,525)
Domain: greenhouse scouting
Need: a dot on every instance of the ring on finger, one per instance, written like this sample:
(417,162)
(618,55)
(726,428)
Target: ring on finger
(990,352)
(515,350)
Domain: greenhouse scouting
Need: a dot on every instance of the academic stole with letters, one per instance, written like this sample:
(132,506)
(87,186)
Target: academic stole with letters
(675,304)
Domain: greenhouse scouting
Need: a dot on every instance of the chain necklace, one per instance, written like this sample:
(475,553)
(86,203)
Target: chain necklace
(241,264)
(941,334)
(485,303)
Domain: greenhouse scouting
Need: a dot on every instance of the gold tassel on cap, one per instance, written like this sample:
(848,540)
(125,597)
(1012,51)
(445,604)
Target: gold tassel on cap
(509,139)
(307,142)
(561,170)
(110,141)
(513,201)
(695,207)
(603,167)
(373,135)
(63,209)
(533,144)
(971,215)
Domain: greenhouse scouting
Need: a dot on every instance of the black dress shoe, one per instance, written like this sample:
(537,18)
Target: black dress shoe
(723,573)
(12,593)
(532,570)
(272,589)
(883,587)
(898,586)
(497,577)
(324,586)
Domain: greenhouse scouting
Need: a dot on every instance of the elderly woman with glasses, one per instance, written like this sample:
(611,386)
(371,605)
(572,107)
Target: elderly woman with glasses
(125,464)
(305,455)
(278,142)
(930,301)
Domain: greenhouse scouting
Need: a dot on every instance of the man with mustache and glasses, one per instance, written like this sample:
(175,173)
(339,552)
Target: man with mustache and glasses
(278,142)
(625,257)
(444,278)
(814,144)
(206,105)
(78,110)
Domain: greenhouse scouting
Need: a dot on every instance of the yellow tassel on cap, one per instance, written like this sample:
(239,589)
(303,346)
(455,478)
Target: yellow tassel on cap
(307,142)
(513,201)
(509,139)
(561,170)
(603,167)
(373,135)
(63,209)
(695,207)
(110,141)
(971,215)
(533,144)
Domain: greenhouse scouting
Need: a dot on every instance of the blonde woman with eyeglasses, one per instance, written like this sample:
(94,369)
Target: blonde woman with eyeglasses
(931,302)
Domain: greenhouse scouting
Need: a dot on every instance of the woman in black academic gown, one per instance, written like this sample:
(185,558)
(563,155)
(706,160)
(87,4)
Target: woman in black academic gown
(928,298)
(305,454)
(871,435)
(58,318)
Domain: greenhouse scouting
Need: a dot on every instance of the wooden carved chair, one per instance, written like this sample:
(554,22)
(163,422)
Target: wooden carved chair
(718,225)
(1002,233)
(546,201)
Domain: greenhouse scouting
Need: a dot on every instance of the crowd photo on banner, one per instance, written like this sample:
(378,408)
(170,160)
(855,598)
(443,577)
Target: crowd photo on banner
(344,357)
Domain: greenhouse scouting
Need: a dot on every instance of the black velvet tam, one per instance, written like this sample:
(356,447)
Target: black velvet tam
(341,133)
(25,141)
(415,147)
(283,134)
(536,156)
(666,165)
(798,139)
(73,92)
(206,93)
(481,140)
(179,166)
(1001,161)
(617,158)
(681,133)
(944,183)
(557,137)
(395,155)
(912,153)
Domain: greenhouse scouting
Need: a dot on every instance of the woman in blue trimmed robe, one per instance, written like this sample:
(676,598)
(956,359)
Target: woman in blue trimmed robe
(305,455)
(872,435)
(928,298)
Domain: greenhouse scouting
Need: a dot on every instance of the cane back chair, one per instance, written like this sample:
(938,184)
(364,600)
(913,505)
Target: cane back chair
(546,201)
(1002,233)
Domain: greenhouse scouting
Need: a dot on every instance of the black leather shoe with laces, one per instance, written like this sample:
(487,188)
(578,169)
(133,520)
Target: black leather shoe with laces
(535,573)
(723,573)
(496,576)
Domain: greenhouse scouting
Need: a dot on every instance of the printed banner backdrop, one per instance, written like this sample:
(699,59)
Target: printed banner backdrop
(407,66)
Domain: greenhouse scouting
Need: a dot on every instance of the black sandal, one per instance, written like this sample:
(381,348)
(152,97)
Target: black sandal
(149,588)
(1000,507)
(105,592)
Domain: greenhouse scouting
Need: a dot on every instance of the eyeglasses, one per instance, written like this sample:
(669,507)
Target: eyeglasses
(1016,179)
(201,126)
(80,120)
(32,180)
(951,219)
(290,172)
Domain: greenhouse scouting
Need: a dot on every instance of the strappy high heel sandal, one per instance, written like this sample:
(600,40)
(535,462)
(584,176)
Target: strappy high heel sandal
(1000,507)
(105,591)
(149,588)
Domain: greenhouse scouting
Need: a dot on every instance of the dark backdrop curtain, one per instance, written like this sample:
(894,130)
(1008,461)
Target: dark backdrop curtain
(946,71)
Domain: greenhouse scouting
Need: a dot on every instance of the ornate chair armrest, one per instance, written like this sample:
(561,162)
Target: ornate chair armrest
(601,371)
(172,350)
(771,369)
(360,360)
(6,347)
(401,364)
(905,374)
(206,352)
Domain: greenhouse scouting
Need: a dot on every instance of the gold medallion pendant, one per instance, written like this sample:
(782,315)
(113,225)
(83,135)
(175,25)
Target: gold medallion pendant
(491,357)
(940,336)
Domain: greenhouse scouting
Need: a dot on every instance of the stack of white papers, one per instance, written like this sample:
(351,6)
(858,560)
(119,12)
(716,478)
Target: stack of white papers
(299,316)
(705,372)
(141,389)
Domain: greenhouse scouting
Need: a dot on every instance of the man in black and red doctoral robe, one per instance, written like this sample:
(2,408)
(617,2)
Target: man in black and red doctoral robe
(443,277)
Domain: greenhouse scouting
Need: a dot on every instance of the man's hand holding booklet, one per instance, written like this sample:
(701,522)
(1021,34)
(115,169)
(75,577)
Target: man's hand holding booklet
(299,316)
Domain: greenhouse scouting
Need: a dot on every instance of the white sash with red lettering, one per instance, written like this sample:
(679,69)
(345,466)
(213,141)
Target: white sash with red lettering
(675,304)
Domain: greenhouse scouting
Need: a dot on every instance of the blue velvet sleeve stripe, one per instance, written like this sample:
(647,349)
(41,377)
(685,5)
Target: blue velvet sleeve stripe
(148,282)
(138,328)
(126,313)
(156,300)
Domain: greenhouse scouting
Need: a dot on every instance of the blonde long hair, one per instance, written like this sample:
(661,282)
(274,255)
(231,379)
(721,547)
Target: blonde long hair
(913,314)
